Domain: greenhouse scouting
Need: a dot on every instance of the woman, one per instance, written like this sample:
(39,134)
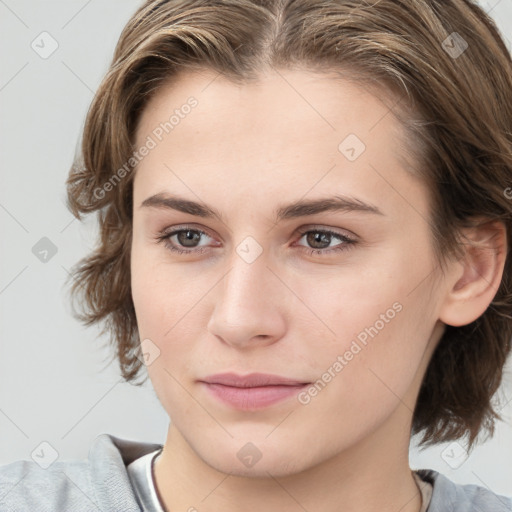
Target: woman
(305,220)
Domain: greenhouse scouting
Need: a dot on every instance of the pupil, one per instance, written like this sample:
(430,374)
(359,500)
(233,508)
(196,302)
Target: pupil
(187,236)
(321,238)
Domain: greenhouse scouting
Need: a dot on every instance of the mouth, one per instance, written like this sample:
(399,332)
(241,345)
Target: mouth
(251,392)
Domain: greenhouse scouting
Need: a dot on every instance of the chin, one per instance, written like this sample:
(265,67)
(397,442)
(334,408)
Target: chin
(255,460)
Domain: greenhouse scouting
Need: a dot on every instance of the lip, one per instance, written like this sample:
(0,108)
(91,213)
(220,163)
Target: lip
(253,391)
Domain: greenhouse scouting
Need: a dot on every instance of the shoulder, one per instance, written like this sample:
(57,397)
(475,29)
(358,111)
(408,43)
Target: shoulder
(448,496)
(24,485)
(99,483)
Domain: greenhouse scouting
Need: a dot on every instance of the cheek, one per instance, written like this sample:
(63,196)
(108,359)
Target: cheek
(363,376)
(382,321)
(163,317)
(166,306)
(159,295)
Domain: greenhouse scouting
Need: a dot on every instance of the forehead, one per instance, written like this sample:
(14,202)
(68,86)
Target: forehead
(292,97)
(293,131)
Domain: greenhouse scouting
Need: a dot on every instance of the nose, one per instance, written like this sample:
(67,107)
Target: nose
(250,305)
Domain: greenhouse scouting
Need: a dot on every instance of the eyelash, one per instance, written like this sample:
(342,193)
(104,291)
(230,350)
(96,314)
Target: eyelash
(165,235)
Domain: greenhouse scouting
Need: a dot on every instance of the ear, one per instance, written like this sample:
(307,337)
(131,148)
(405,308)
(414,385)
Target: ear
(475,278)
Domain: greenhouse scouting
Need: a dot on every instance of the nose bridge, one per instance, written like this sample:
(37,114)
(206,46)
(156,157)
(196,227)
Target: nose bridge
(245,284)
(247,303)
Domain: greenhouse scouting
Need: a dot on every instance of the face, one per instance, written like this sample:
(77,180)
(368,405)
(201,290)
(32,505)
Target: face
(307,258)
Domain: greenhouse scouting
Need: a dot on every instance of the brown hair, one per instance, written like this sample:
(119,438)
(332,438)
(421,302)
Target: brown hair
(455,105)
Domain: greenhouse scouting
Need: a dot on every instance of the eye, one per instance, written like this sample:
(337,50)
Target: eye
(185,240)
(321,239)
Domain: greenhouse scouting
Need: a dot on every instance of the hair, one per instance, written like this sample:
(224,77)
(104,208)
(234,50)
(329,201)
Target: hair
(456,109)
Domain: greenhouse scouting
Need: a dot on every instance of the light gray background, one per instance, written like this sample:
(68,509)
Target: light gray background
(52,386)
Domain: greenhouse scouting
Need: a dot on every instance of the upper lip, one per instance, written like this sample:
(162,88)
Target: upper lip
(251,380)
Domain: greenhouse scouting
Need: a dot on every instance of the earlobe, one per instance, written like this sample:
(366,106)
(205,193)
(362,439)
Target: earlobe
(475,278)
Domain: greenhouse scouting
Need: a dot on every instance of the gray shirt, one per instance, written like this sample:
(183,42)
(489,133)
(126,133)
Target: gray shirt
(107,481)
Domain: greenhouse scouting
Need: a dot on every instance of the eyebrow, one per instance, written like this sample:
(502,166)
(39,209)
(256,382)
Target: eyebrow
(300,208)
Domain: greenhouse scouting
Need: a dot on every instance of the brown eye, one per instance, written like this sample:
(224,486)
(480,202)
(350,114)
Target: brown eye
(184,240)
(319,241)
(188,237)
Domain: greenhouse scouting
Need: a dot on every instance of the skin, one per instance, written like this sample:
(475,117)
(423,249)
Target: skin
(246,150)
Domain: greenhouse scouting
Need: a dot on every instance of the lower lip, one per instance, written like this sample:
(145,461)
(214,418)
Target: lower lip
(249,399)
